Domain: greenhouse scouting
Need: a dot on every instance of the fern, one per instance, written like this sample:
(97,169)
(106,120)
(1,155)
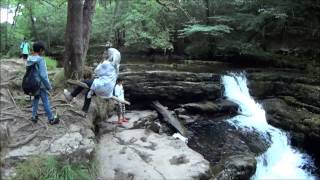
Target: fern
(215,30)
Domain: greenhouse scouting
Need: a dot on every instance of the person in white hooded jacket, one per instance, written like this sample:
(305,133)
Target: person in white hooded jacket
(106,76)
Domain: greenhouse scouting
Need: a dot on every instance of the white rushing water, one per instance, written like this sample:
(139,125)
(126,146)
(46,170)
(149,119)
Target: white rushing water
(280,161)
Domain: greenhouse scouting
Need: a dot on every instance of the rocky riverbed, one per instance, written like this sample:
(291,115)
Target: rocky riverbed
(144,148)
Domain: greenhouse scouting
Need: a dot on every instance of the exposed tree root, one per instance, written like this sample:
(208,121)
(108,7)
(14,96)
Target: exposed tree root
(7,118)
(25,141)
(62,105)
(7,108)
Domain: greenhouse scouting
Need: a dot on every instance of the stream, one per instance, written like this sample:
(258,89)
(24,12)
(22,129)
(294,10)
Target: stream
(280,161)
(264,151)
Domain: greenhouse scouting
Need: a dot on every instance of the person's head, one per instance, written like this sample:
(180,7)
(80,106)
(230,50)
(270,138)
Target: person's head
(108,45)
(119,81)
(38,47)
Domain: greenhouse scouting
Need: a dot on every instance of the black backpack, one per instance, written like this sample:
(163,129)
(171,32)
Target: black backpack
(31,80)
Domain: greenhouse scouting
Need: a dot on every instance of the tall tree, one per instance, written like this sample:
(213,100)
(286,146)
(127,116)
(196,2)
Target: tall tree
(77,36)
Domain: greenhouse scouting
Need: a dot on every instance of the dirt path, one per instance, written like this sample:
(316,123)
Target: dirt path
(21,137)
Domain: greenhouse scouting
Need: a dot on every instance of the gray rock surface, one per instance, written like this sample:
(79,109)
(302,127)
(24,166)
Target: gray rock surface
(142,154)
(137,120)
(171,86)
(235,167)
(220,106)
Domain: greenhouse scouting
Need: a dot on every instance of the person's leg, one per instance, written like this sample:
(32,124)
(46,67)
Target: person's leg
(86,104)
(123,111)
(35,104)
(87,101)
(78,89)
(25,56)
(46,104)
(118,109)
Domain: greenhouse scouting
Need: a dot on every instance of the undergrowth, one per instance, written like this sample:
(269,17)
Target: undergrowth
(51,63)
(52,168)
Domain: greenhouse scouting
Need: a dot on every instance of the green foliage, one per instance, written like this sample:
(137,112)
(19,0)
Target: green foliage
(221,25)
(215,31)
(50,168)
(59,79)
(142,27)
(51,63)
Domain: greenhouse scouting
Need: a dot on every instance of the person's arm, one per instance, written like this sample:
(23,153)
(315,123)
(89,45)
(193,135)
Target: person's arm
(21,46)
(117,91)
(97,70)
(44,74)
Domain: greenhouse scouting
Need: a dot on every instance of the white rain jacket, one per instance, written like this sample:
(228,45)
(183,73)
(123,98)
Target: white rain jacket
(107,77)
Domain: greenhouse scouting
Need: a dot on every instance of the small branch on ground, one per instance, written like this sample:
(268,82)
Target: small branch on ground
(62,105)
(14,102)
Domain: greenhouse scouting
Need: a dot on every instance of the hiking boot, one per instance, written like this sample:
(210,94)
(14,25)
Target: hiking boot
(35,119)
(55,120)
(67,95)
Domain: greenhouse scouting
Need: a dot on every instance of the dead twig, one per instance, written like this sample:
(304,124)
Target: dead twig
(14,102)
(25,141)
(61,105)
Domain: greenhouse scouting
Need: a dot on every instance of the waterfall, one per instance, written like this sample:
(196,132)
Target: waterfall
(280,161)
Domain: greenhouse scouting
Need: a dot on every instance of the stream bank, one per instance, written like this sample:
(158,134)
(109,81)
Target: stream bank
(215,148)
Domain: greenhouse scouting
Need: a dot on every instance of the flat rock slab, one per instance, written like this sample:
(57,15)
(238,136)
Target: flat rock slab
(141,154)
(137,120)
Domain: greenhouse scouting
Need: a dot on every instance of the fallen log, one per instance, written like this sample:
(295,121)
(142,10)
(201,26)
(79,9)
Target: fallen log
(168,117)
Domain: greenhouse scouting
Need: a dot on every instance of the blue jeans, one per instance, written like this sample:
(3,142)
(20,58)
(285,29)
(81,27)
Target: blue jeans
(46,104)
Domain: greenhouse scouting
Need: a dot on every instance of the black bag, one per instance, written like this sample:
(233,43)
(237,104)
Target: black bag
(31,80)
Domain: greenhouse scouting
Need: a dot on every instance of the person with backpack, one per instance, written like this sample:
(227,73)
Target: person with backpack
(37,65)
(25,49)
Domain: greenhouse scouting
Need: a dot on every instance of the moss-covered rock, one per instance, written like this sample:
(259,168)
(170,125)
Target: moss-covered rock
(303,124)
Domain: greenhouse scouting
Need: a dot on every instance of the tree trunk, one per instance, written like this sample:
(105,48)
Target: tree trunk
(33,25)
(74,41)
(207,12)
(88,12)
(15,15)
(115,13)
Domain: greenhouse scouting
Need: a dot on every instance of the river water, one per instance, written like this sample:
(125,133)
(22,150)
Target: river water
(280,161)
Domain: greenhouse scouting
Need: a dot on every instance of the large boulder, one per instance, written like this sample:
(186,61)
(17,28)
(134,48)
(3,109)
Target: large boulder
(303,125)
(142,154)
(170,86)
(237,167)
(218,107)
(306,90)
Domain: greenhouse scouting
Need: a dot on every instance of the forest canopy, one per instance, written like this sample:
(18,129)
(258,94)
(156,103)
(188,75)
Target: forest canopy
(190,28)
